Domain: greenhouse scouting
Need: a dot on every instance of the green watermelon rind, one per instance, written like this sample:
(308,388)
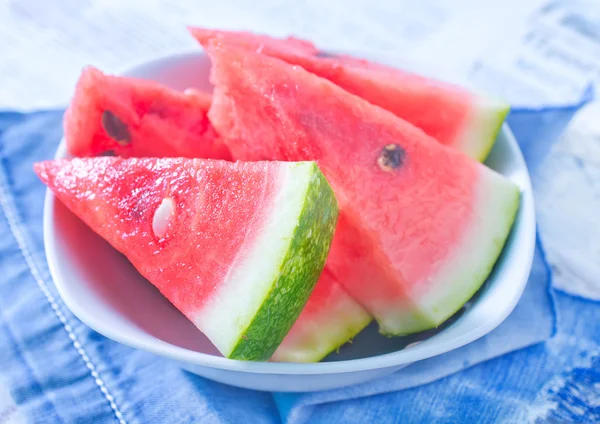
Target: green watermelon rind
(353,327)
(481,133)
(439,305)
(298,273)
(336,328)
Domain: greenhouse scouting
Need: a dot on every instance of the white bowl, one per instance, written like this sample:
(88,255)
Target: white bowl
(103,290)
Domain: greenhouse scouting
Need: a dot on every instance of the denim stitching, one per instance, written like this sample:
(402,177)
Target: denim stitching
(13,223)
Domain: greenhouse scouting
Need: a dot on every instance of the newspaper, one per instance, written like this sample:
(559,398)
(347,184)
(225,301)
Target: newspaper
(531,52)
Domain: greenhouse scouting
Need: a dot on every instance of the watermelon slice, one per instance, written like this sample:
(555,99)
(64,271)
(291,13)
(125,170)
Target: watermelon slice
(330,318)
(236,247)
(454,116)
(136,118)
(421,225)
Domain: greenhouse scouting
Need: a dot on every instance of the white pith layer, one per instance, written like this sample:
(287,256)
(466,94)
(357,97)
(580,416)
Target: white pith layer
(480,133)
(469,263)
(230,310)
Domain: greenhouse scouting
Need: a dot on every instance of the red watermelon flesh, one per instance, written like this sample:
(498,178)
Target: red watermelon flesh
(258,43)
(198,230)
(136,118)
(452,115)
(420,225)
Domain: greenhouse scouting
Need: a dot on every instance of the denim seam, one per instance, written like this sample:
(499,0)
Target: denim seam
(29,369)
(15,228)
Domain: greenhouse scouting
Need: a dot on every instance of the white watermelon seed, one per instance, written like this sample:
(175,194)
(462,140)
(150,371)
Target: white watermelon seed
(162,217)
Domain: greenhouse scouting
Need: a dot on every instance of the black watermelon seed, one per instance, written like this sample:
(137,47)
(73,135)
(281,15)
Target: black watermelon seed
(115,128)
(108,153)
(391,157)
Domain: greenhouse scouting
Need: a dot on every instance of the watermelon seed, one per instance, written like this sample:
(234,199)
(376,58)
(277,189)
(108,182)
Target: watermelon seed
(391,157)
(108,153)
(162,217)
(115,128)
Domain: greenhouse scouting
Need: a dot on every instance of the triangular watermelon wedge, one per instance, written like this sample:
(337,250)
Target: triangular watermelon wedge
(421,225)
(454,116)
(236,247)
(131,117)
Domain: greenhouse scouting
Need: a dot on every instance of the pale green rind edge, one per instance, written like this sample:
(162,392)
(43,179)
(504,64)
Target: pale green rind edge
(340,328)
(420,319)
(299,272)
(451,305)
(414,321)
(480,136)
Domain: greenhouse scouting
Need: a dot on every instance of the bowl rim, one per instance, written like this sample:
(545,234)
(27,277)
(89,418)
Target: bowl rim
(398,358)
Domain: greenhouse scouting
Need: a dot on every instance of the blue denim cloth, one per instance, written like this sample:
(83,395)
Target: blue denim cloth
(58,370)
